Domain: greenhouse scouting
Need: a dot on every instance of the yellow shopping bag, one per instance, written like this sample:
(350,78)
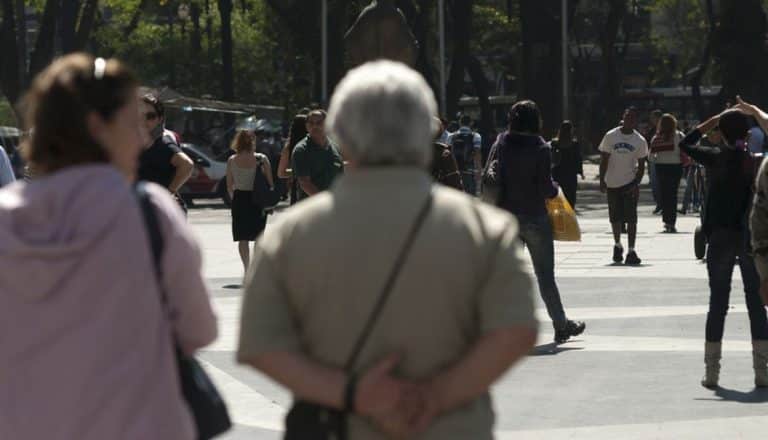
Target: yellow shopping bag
(565,227)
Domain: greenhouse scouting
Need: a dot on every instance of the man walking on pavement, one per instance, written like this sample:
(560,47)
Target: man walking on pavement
(622,164)
(316,160)
(467,146)
(162,162)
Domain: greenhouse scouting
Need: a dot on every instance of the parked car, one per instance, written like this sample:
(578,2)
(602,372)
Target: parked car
(10,138)
(209,178)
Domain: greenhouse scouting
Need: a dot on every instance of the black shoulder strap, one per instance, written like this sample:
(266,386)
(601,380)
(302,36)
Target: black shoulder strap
(153,231)
(387,289)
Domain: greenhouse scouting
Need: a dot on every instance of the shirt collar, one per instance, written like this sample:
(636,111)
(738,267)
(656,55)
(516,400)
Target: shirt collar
(399,179)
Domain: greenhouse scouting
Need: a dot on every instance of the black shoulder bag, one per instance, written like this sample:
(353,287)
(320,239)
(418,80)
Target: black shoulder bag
(202,397)
(311,421)
(262,195)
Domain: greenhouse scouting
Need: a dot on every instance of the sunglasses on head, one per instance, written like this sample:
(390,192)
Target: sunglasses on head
(151,116)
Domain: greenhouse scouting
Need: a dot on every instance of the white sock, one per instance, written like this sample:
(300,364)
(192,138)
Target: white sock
(631,249)
(618,245)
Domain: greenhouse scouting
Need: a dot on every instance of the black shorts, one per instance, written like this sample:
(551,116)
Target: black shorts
(622,204)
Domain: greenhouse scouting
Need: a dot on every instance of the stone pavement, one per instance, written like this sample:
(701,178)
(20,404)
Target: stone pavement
(633,374)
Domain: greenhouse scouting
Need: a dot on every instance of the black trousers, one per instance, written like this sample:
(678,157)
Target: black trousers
(669,176)
(569,184)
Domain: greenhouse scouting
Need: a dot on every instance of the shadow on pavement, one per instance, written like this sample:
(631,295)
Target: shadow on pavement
(232,286)
(757,395)
(628,266)
(551,349)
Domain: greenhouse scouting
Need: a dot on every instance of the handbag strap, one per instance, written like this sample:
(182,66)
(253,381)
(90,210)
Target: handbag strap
(390,283)
(155,236)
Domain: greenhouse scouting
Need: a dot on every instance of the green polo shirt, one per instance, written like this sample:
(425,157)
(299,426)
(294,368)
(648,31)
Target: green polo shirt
(320,164)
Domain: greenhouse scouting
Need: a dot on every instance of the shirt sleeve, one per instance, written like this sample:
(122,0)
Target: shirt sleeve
(300,162)
(477,141)
(703,155)
(266,322)
(605,146)
(506,299)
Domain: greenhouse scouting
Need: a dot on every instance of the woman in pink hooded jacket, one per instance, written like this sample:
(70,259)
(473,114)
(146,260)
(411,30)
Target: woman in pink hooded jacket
(85,343)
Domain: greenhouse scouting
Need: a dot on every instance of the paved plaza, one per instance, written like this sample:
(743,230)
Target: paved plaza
(634,374)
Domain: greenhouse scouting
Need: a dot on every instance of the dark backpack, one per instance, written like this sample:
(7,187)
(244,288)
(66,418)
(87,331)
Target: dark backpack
(463,149)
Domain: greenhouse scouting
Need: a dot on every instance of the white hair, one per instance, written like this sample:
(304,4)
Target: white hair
(382,114)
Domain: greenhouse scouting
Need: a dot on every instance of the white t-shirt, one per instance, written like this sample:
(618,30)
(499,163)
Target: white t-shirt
(625,151)
(671,157)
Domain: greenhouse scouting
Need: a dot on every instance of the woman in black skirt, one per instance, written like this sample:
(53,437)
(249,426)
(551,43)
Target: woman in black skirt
(248,218)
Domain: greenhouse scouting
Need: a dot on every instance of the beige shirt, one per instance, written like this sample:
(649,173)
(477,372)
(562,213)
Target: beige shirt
(317,274)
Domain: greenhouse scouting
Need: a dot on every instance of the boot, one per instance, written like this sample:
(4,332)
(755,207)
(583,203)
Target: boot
(760,363)
(712,355)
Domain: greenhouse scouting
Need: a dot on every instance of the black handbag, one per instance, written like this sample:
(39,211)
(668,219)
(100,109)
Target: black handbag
(310,421)
(208,408)
(263,195)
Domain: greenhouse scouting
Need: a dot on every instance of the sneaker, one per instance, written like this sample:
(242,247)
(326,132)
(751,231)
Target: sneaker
(632,259)
(572,328)
(657,211)
(683,211)
(618,254)
(670,229)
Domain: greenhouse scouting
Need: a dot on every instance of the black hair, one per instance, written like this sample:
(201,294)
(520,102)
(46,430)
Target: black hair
(465,120)
(734,126)
(525,117)
(154,101)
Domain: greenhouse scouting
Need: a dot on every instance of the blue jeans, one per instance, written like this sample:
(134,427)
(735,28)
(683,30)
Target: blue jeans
(690,195)
(725,248)
(536,234)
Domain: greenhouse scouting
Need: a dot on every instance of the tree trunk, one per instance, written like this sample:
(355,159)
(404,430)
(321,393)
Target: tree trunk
(706,58)
(9,65)
(87,24)
(227,81)
(196,41)
(461,32)
(741,50)
(419,21)
(610,86)
(46,37)
(541,71)
(21,38)
(68,17)
(135,18)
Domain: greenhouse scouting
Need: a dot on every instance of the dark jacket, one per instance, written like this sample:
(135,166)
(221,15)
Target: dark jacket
(566,161)
(730,176)
(526,176)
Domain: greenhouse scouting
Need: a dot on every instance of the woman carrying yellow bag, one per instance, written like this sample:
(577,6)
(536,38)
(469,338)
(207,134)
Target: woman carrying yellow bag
(525,184)
(565,226)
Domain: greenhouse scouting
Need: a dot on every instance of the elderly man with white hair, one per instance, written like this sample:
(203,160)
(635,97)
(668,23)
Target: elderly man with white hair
(388,305)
